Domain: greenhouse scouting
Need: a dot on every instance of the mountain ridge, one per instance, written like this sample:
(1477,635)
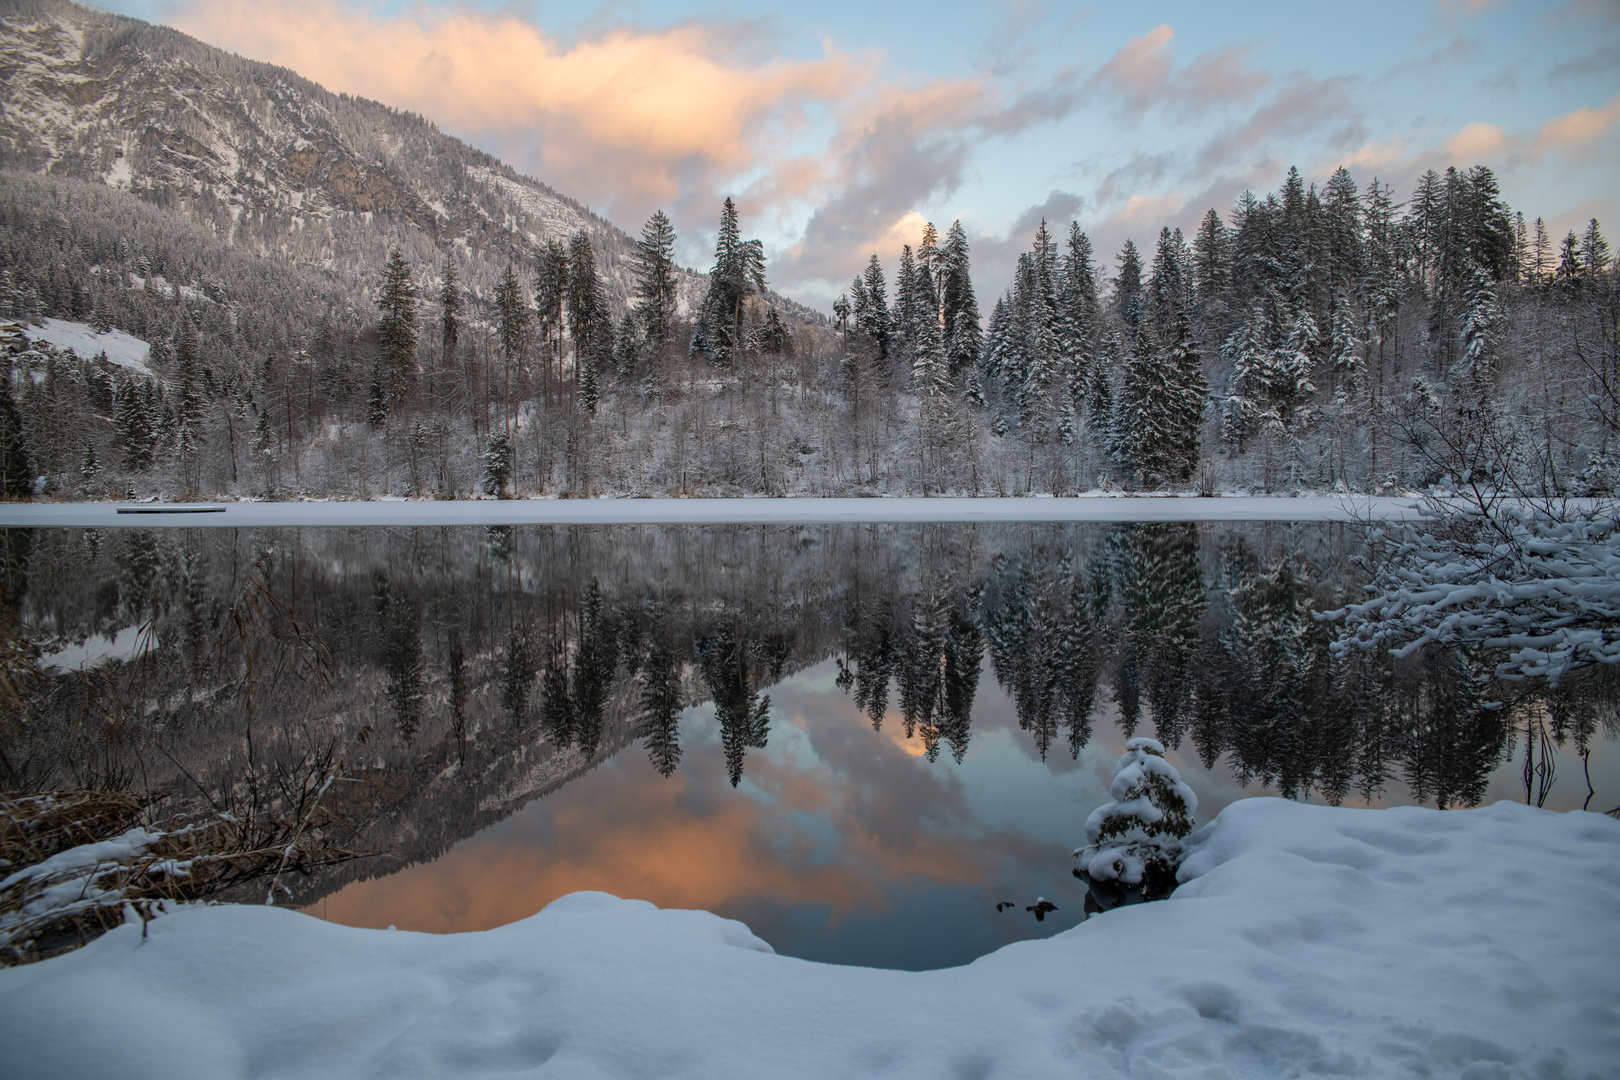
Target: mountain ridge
(273,160)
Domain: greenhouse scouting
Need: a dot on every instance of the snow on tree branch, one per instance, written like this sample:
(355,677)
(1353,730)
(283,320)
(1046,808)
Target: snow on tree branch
(1538,583)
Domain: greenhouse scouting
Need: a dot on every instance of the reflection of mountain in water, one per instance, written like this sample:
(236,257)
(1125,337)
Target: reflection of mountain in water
(474,670)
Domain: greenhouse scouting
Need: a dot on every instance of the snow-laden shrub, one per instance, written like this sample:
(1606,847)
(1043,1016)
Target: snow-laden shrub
(1538,587)
(1135,840)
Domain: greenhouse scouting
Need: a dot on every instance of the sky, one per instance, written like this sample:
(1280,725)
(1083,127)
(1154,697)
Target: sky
(841,128)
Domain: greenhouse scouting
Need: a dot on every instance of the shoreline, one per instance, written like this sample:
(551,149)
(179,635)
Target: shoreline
(1101,509)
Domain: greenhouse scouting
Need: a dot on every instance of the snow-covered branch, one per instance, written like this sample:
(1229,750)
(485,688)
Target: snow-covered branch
(1538,585)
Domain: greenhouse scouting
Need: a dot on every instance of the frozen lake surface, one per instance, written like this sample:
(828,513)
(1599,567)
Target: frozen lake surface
(1098,508)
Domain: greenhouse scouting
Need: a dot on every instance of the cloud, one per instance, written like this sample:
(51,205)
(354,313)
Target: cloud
(1576,130)
(1438,60)
(1603,60)
(621,119)
(909,148)
(1141,73)
(630,118)
(1475,141)
(1303,110)
(1140,70)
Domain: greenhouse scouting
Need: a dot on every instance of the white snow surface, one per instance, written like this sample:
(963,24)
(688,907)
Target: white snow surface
(1308,941)
(124,350)
(806,511)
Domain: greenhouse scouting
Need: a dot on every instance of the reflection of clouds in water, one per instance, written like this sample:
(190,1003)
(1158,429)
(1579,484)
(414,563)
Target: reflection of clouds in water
(831,815)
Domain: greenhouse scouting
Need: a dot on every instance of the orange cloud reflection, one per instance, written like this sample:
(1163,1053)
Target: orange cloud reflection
(624,831)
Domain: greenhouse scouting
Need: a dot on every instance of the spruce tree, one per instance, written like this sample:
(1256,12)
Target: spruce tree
(872,308)
(186,368)
(16,468)
(1212,260)
(133,425)
(959,308)
(589,318)
(737,274)
(396,328)
(449,315)
(655,280)
(1128,287)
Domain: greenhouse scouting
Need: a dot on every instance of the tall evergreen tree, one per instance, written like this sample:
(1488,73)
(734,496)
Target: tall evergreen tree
(738,273)
(655,279)
(16,469)
(959,308)
(1128,287)
(396,327)
(589,320)
(449,315)
(1212,260)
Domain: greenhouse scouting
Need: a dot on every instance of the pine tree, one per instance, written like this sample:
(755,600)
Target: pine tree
(449,315)
(655,280)
(1134,841)
(512,315)
(1595,256)
(872,308)
(396,328)
(16,468)
(186,367)
(1212,260)
(906,313)
(1541,255)
(1570,268)
(738,273)
(89,466)
(133,425)
(959,308)
(550,294)
(661,709)
(1169,290)
(589,319)
(1128,287)
(497,464)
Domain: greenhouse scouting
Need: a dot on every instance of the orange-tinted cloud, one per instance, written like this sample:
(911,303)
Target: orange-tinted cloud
(633,118)
(621,830)
(1141,72)
(1576,130)
(659,101)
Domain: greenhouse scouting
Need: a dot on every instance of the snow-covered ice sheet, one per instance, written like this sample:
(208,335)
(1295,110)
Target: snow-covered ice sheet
(810,511)
(125,350)
(1309,941)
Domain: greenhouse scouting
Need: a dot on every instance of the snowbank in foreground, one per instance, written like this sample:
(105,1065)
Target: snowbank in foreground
(1310,941)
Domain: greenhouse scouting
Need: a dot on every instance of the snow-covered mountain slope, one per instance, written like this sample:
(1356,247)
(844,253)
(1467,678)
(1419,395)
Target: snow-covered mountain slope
(271,160)
(121,349)
(1307,941)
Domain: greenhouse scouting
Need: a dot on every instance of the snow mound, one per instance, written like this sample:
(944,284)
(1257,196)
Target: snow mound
(124,350)
(1306,941)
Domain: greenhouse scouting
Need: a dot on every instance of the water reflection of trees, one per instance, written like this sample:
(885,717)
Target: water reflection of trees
(1213,644)
(489,666)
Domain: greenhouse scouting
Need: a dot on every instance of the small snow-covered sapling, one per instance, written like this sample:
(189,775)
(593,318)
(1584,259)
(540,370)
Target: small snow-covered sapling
(1135,840)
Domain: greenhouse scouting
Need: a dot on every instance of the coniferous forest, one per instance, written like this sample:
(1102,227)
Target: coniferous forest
(1325,338)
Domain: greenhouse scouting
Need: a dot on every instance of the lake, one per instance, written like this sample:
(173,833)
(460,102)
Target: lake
(857,738)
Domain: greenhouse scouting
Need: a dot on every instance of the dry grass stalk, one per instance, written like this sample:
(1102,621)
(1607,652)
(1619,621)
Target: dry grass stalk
(120,869)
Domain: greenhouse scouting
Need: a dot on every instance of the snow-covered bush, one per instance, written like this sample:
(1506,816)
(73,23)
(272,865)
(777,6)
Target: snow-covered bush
(1135,840)
(1539,586)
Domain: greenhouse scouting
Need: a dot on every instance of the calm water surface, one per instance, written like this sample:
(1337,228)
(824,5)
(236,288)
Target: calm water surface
(855,739)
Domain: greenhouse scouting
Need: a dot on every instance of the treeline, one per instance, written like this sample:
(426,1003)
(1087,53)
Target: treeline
(1324,339)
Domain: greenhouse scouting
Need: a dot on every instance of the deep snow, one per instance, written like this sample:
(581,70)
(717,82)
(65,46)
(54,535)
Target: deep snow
(807,511)
(1307,941)
(124,350)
